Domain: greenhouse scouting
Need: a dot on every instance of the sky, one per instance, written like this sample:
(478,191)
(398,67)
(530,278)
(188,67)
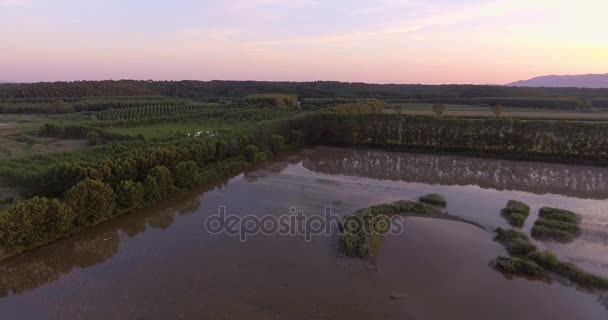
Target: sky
(379,41)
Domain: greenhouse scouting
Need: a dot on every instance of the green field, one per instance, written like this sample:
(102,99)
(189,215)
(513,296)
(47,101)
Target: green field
(471,111)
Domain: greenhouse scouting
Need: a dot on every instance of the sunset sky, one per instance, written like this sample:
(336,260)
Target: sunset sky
(383,41)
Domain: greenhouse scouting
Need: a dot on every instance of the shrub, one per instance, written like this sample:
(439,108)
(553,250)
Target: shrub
(276,143)
(540,232)
(405,207)
(514,206)
(250,152)
(519,267)
(92,201)
(93,138)
(549,261)
(159,184)
(186,174)
(362,233)
(296,137)
(516,242)
(558,214)
(556,224)
(152,192)
(130,195)
(516,213)
(434,199)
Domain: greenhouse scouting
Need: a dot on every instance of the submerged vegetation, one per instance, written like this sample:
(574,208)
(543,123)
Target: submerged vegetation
(519,267)
(516,242)
(516,213)
(556,224)
(528,261)
(361,234)
(434,199)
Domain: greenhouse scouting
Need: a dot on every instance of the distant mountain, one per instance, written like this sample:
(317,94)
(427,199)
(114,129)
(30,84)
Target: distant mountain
(580,81)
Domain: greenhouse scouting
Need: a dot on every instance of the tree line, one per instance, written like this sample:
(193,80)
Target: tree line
(130,177)
(316,89)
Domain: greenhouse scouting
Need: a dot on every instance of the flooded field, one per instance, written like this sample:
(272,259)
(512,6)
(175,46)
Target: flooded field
(161,263)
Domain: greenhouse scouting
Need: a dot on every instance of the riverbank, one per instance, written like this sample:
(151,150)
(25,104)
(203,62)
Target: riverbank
(149,263)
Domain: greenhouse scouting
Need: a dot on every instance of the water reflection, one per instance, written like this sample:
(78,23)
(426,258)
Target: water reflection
(534,177)
(47,264)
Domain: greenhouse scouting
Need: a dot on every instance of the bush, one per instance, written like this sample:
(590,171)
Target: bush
(518,267)
(186,174)
(250,152)
(276,143)
(558,214)
(556,224)
(434,199)
(130,195)
(92,201)
(33,222)
(93,138)
(362,233)
(516,213)
(549,261)
(540,232)
(296,137)
(159,184)
(405,207)
(516,242)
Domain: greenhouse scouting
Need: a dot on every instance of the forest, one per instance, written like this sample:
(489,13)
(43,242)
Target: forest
(147,141)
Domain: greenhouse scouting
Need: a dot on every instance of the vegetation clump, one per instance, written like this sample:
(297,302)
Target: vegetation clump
(519,267)
(549,261)
(516,242)
(434,199)
(516,213)
(361,234)
(556,224)
(528,260)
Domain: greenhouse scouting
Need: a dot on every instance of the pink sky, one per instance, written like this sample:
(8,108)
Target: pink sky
(384,41)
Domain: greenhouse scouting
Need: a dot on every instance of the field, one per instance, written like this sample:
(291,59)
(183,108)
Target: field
(87,151)
(479,112)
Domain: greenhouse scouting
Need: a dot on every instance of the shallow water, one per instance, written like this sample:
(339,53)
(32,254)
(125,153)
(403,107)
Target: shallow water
(161,263)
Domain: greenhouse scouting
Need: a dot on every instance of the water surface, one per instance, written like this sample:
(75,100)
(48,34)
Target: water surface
(160,263)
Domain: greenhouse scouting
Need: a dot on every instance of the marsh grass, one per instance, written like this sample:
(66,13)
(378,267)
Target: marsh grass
(516,242)
(527,260)
(516,213)
(361,234)
(570,271)
(519,267)
(434,199)
(556,224)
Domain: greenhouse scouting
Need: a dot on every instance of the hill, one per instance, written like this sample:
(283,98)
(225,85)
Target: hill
(576,81)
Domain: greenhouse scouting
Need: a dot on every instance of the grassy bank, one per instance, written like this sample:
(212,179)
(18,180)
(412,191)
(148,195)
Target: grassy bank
(361,234)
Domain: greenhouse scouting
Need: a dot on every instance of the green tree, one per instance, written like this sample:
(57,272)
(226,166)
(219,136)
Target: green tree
(276,143)
(221,150)
(92,201)
(186,173)
(498,110)
(152,190)
(34,222)
(159,184)
(439,109)
(250,152)
(61,107)
(93,138)
(130,195)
